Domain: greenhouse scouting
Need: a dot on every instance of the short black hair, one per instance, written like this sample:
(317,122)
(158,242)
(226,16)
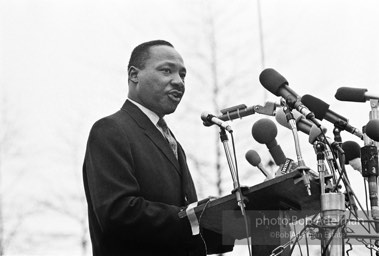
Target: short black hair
(141,53)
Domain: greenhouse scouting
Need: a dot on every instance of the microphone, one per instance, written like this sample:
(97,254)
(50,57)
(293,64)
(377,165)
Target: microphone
(241,110)
(264,131)
(209,119)
(300,162)
(255,160)
(302,124)
(353,158)
(352,154)
(372,129)
(315,133)
(321,111)
(354,94)
(278,85)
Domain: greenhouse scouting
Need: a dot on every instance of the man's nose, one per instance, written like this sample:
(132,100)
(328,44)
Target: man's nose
(177,80)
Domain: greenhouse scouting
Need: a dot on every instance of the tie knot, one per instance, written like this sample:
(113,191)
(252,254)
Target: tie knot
(162,123)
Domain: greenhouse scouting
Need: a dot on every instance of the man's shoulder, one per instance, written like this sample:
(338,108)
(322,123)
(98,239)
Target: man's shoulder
(117,125)
(119,118)
(129,119)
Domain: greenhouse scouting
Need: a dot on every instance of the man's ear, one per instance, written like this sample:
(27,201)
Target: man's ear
(133,74)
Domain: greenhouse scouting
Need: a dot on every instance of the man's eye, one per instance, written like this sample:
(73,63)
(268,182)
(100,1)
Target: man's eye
(166,70)
(182,75)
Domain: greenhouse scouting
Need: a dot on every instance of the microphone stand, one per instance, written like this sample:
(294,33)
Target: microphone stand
(331,163)
(369,158)
(373,114)
(300,162)
(236,185)
(332,211)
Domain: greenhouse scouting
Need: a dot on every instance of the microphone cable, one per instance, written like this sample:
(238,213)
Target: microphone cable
(201,235)
(297,242)
(343,176)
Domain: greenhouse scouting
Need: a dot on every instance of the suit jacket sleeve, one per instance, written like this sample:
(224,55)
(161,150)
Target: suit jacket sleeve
(114,192)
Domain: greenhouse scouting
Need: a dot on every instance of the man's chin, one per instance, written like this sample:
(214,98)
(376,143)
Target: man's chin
(170,111)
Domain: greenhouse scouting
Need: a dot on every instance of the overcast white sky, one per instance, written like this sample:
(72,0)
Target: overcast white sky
(63,66)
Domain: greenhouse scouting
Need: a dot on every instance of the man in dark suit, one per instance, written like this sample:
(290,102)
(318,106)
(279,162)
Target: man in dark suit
(135,173)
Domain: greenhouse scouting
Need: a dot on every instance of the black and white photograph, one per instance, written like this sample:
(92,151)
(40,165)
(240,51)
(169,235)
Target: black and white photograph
(189,127)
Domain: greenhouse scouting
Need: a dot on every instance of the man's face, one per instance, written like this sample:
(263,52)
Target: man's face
(160,84)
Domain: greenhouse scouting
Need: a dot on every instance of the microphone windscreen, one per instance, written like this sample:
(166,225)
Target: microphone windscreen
(280,117)
(315,132)
(264,131)
(317,106)
(352,150)
(298,116)
(372,129)
(351,94)
(204,117)
(272,80)
(253,158)
(277,154)
(302,124)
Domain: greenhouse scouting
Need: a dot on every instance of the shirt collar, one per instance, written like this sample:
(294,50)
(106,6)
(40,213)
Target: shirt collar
(154,118)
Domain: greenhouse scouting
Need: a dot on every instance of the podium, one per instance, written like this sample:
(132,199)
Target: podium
(282,198)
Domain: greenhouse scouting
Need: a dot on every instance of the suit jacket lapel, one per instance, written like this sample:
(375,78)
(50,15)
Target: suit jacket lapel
(151,131)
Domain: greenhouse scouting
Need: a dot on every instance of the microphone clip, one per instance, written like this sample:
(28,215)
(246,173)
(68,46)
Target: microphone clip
(287,111)
(305,178)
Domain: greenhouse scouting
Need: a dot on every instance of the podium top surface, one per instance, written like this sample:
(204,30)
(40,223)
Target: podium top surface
(285,192)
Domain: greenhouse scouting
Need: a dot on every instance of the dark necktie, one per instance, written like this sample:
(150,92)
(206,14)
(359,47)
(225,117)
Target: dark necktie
(167,134)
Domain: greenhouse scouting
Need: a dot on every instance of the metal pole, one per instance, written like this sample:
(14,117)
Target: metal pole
(332,215)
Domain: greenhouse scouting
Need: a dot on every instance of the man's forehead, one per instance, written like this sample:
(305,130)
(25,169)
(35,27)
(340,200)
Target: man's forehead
(165,53)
